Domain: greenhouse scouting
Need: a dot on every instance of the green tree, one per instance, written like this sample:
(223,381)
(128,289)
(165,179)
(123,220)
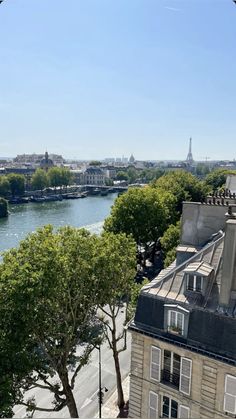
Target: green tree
(59,176)
(108,182)
(132,174)
(3,208)
(4,187)
(142,212)
(66,177)
(17,184)
(39,180)
(121,175)
(116,269)
(169,242)
(95,163)
(202,169)
(217,178)
(184,186)
(48,302)
(150,174)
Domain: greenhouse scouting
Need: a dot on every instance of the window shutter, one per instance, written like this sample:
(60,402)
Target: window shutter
(185,375)
(183,412)
(230,394)
(153,405)
(155,367)
(172,318)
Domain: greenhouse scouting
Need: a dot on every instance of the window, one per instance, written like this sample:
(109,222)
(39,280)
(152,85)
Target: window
(230,394)
(155,363)
(171,370)
(171,409)
(177,371)
(175,322)
(194,283)
(153,405)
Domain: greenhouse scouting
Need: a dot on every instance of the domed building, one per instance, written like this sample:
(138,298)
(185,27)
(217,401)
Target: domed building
(46,163)
(131,159)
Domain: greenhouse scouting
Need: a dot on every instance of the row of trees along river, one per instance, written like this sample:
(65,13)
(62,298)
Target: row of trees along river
(54,282)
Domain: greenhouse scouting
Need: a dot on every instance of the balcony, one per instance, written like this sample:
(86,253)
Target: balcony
(170,379)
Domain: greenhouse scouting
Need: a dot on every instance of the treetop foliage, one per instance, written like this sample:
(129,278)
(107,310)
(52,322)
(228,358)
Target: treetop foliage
(142,213)
(216,179)
(183,185)
(50,289)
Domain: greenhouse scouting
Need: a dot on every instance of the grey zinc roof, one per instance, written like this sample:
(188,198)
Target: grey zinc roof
(169,284)
(201,268)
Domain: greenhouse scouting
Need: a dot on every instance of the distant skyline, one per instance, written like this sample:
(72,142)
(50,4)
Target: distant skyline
(91,79)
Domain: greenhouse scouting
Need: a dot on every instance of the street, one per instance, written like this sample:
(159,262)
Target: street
(86,385)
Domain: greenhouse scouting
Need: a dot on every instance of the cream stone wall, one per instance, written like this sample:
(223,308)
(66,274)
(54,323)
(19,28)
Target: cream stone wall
(206,399)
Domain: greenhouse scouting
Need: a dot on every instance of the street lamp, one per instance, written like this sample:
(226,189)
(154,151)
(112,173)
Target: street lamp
(100,388)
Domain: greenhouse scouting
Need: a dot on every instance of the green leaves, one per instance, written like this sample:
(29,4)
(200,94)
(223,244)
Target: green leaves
(17,184)
(3,207)
(48,300)
(39,180)
(58,176)
(50,289)
(140,212)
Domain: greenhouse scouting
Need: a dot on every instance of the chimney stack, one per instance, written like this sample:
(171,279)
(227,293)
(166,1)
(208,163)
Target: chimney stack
(228,280)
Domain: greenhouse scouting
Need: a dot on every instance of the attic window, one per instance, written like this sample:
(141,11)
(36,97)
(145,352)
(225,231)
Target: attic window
(194,283)
(195,274)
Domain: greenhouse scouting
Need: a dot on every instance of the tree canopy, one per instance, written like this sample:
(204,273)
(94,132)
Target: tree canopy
(4,186)
(50,289)
(39,180)
(3,207)
(183,185)
(48,300)
(17,184)
(59,176)
(144,213)
(217,178)
(169,242)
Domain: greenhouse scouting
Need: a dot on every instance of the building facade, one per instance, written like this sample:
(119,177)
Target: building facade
(94,176)
(183,353)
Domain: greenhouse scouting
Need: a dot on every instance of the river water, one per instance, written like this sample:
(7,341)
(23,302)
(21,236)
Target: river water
(88,212)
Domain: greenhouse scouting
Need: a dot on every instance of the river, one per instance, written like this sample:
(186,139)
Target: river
(88,212)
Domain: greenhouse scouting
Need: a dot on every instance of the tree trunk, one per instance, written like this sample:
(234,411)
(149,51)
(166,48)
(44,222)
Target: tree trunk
(69,396)
(120,394)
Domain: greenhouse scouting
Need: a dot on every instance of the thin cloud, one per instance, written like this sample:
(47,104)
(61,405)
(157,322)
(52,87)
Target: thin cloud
(173,9)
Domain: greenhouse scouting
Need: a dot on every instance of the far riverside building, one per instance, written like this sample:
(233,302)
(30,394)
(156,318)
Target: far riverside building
(183,353)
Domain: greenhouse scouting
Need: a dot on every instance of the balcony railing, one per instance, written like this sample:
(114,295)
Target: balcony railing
(170,379)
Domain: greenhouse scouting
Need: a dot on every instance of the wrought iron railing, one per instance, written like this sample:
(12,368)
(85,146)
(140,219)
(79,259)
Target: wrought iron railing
(170,379)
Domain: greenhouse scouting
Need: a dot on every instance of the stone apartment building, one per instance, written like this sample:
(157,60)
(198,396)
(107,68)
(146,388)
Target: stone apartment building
(183,353)
(94,176)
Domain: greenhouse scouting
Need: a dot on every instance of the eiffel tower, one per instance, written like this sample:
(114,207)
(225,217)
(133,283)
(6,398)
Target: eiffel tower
(189,159)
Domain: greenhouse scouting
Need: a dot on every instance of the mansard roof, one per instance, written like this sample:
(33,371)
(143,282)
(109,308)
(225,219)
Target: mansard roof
(169,284)
(211,328)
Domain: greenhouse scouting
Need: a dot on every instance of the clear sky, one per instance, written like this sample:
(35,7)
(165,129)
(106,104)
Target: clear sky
(104,78)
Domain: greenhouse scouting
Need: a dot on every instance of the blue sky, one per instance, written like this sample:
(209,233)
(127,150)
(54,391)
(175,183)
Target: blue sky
(105,78)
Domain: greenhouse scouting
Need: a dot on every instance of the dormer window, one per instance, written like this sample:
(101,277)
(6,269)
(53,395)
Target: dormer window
(176,319)
(194,282)
(197,275)
(175,322)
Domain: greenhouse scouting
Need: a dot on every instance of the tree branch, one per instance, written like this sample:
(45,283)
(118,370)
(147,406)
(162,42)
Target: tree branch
(125,342)
(105,312)
(85,359)
(42,409)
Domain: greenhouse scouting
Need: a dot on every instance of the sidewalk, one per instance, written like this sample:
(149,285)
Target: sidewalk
(109,408)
